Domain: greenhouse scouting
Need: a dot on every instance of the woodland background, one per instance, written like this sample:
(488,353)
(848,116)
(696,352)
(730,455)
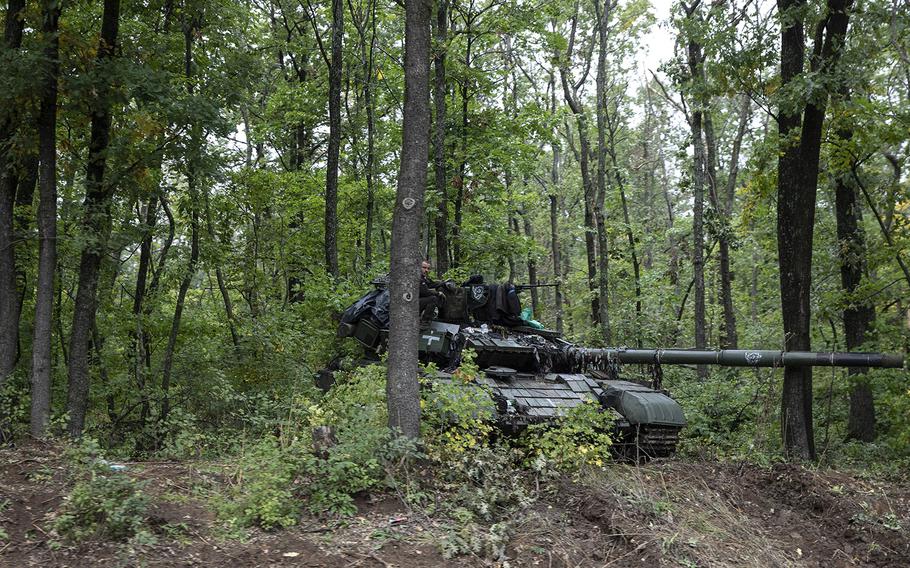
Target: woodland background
(193,190)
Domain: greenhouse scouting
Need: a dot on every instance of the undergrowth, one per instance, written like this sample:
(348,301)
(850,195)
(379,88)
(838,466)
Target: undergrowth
(103,503)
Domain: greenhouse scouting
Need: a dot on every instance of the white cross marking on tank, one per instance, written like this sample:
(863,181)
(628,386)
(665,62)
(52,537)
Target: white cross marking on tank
(430,339)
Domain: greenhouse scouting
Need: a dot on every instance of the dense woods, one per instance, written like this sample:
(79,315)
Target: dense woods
(192,191)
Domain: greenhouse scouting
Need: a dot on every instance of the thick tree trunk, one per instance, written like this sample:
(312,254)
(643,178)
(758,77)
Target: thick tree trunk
(96,227)
(331,175)
(795,217)
(439,155)
(47,225)
(858,317)
(9,180)
(402,386)
(797,183)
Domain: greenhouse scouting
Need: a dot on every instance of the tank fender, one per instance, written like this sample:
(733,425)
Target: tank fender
(642,405)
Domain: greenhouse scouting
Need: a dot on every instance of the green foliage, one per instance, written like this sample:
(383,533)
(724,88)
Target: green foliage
(263,492)
(356,410)
(580,438)
(731,414)
(103,503)
(456,413)
(274,477)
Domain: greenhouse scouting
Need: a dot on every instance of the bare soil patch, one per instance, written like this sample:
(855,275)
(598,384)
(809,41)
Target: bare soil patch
(669,513)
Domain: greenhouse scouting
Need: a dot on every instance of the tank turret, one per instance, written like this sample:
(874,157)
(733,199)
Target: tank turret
(534,375)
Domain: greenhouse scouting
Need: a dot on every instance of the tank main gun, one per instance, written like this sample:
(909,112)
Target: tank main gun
(737,357)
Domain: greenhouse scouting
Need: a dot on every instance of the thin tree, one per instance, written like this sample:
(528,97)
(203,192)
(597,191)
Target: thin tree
(439,150)
(571,93)
(192,180)
(859,315)
(331,176)
(699,107)
(368,16)
(402,387)
(602,13)
(553,195)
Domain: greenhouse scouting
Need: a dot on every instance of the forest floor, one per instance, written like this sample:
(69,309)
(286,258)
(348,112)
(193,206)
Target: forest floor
(667,513)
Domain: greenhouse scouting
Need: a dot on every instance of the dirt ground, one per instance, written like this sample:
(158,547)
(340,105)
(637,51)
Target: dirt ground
(669,513)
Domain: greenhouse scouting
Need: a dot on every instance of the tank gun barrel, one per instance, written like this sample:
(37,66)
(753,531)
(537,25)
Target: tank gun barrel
(741,357)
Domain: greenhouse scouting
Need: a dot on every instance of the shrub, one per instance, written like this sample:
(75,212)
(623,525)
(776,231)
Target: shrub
(103,503)
(263,492)
(275,476)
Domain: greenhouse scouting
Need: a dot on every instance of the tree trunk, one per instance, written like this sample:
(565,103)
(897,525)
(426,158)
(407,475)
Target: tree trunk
(630,237)
(569,92)
(612,125)
(402,386)
(219,273)
(554,248)
(137,336)
(532,263)
(730,338)
(331,175)
(96,226)
(462,167)
(858,315)
(696,74)
(10,308)
(371,142)
(47,225)
(439,156)
(796,189)
(554,213)
(603,257)
(191,182)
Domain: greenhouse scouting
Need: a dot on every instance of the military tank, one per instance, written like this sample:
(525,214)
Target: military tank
(534,375)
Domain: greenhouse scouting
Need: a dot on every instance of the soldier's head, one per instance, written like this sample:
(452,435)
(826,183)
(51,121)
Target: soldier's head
(425,267)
